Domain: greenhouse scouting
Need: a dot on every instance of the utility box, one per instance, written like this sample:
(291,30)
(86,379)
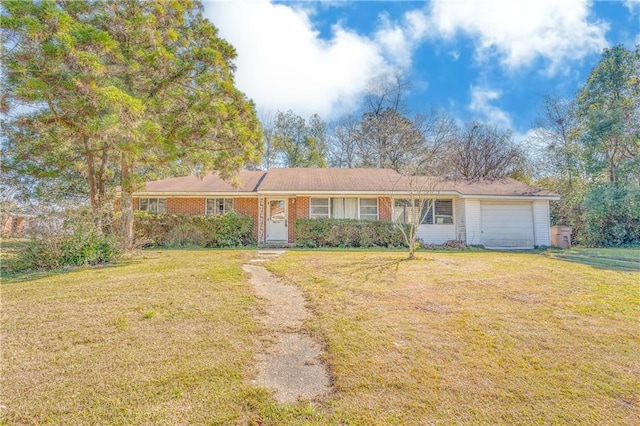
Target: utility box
(561,236)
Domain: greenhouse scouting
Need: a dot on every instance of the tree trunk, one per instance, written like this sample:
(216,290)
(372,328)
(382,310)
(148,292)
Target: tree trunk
(95,200)
(412,242)
(126,203)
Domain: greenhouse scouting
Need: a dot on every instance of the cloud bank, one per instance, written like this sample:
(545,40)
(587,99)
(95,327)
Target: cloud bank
(284,63)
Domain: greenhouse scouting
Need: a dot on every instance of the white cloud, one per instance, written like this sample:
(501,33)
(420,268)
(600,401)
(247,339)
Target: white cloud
(284,64)
(480,105)
(523,31)
(632,5)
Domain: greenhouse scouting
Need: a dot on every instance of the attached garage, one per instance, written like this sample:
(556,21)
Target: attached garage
(507,225)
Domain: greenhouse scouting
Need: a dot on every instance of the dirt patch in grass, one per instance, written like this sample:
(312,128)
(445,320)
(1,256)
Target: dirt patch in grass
(473,338)
(291,363)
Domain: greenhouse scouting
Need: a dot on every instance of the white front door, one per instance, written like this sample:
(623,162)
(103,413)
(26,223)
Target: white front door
(277,222)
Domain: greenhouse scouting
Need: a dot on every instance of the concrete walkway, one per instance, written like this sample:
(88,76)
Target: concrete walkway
(290,363)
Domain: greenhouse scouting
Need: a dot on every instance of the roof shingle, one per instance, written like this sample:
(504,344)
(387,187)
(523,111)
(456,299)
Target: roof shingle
(303,180)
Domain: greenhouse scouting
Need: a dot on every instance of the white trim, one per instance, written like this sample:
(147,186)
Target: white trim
(511,197)
(369,194)
(392,193)
(196,194)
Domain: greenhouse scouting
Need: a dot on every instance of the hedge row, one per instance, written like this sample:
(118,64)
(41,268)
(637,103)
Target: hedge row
(176,230)
(347,233)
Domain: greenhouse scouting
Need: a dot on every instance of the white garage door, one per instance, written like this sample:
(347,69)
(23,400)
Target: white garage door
(507,225)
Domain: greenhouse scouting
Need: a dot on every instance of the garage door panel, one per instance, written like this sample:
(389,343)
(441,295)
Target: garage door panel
(507,225)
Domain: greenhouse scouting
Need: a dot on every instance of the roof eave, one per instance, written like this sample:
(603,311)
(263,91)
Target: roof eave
(511,197)
(193,194)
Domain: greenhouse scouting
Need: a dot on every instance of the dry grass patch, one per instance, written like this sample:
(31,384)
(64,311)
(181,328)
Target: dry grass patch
(168,338)
(511,338)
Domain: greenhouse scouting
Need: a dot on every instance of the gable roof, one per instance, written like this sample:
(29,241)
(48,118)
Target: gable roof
(327,180)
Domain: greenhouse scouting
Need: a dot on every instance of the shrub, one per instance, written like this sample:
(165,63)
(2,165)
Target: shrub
(612,215)
(347,233)
(83,245)
(176,230)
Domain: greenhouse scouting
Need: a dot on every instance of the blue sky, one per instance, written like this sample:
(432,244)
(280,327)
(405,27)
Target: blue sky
(489,60)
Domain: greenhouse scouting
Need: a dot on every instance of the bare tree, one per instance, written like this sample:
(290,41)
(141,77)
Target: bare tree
(267,120)
(343,151)
(484,152)
(439,131)
(415,206)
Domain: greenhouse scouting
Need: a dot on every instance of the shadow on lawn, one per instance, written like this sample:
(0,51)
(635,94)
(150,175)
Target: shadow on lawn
(599,261)
(10,276)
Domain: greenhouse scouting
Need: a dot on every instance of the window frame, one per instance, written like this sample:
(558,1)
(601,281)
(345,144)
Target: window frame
(431,218)
(368,216)
(216,212)
(326,215)
(437,215)
(158,202)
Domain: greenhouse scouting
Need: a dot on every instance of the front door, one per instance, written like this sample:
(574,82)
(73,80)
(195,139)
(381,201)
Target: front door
(277,220)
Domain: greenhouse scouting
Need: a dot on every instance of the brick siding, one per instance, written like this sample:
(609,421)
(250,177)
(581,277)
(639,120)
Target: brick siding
(301,210)
(248,206)
(384,208)
(186,205)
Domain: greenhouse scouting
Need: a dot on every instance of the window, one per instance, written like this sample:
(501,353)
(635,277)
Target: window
(444,212)
(219,205)
(405,211)
(319,208)
(153,205)
(344,208)
(369,208)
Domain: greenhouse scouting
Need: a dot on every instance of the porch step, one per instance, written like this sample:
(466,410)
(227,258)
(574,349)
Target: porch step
(275,245)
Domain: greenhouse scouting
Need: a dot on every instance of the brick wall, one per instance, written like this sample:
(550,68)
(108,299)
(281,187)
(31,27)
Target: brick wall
(384,208)
(186,205)
(248,206)
(301,209)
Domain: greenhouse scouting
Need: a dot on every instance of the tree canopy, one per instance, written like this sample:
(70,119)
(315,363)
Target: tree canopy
(110,90)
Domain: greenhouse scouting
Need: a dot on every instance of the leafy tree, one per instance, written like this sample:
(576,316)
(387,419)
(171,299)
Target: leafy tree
(299,143)
(609,113)
(127,87)
(55,86)
(612,215)
(556,133)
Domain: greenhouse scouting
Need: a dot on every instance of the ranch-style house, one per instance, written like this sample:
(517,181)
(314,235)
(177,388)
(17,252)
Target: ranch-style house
(495,213)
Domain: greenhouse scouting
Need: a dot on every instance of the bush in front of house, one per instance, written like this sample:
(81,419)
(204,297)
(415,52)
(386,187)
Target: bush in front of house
(347,233)
(177,230)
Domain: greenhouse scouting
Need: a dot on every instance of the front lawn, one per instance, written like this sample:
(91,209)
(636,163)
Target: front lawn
(474,338)
(168,338)
(619,258)
(452,337)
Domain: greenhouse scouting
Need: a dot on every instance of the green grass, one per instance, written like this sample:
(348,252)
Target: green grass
(452,337)
(614,258)
(169,338)
(473,338)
